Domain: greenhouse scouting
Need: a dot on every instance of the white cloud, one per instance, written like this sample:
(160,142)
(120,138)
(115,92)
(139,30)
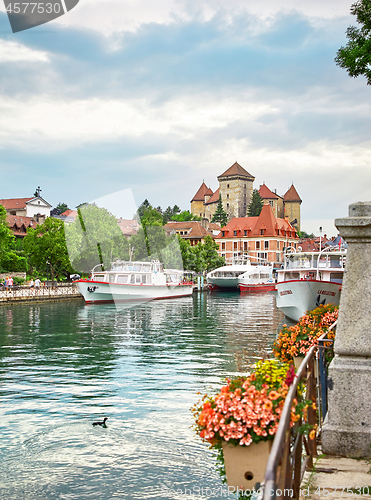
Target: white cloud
(112,16)
(16,52)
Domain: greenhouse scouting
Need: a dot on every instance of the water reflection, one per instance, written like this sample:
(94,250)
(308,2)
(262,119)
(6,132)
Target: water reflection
(63,365)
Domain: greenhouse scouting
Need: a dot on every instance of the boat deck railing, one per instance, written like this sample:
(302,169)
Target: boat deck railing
(292,453)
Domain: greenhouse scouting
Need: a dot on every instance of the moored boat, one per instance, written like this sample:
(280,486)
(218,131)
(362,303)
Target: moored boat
(309,279)
(229,276)
(128,281)
(259,279)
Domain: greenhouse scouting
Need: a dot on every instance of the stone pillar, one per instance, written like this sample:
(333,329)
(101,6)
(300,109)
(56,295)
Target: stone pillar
(347,428)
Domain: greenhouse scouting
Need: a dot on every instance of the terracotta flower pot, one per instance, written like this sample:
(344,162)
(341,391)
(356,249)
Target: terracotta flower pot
(245,465)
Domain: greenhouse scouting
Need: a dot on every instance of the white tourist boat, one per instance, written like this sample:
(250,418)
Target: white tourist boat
(258,279)
(228,277)
(134,282)
(309,279)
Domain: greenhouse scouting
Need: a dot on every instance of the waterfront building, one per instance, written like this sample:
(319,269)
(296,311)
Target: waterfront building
(264,237)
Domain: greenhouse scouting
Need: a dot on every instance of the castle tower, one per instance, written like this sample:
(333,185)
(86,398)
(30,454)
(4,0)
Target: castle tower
(292,202)
(236,187)
(273,199)
(200,198)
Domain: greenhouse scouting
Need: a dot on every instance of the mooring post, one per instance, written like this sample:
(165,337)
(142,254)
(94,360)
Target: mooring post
(347,428)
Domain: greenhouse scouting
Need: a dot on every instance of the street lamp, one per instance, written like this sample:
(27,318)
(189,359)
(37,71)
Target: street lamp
(320,238)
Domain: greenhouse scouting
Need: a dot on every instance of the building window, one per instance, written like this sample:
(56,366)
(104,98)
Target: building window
(271,203)
(257,245)
(227,205)
(227,185)
(223,233)
(234,233)
(245,246)
(245,232)
(223,245)
(266,245)
(262,232)
(235,245)
(227,196)
(245,186)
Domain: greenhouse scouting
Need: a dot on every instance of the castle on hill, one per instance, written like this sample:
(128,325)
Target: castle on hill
(236,189)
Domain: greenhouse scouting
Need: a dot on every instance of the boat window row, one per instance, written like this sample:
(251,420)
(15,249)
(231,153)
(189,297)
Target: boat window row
(123,279)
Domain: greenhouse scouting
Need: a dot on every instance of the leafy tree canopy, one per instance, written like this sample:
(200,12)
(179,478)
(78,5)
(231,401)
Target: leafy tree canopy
(256,205)
(355,57)
(220,215)
(186,215)
(95,238)
(6,236)
(170,213)
(46,245)
(62,207)
(200,258)
(303,234)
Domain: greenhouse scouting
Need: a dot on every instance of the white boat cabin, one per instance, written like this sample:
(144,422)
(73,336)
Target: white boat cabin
(138,273)
(321,266)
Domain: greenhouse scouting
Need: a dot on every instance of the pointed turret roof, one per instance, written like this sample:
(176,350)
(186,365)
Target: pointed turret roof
(202,192)
(266,221)
(291,194)
(236,170)
(266,193)
(214,198)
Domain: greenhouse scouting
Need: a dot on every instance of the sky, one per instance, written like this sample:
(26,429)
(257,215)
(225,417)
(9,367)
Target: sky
(156,97)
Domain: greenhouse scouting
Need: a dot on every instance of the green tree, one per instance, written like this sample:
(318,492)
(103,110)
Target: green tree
(46,245)
(170,213)
(220,215)
(185,216)
(303,234)
(355,57)
(95,238)
(256,205)
(142,207)
(62,207)
(6,236)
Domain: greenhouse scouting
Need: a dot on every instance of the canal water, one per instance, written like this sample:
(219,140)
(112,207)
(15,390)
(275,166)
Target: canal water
(65,365)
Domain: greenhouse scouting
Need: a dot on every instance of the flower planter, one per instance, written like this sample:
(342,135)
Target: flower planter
(245,465)
(298,361)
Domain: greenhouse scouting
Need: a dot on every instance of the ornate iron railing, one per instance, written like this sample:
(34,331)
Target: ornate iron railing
(292,453)
(21,292)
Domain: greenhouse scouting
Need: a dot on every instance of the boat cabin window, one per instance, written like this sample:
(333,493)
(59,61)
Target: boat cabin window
(111,278)
(292,276)
(264,276)
(146,268)
(132,279)
(138,278)
(337,277)
(99,277)
(144,278)
(254,276)
(123,278)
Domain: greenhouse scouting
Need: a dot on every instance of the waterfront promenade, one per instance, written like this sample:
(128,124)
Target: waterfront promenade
(26,294)
(337,477)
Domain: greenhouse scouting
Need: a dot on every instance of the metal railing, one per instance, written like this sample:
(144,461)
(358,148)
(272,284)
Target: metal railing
(286,464)
(25,292)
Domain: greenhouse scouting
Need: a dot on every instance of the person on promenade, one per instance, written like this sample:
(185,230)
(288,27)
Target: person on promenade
(10,283)
(37,285)
(32,285)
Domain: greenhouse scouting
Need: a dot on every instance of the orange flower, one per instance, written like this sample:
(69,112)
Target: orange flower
(312,434)
(273,395)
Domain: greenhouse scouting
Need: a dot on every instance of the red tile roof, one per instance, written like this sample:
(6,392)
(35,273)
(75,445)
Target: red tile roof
(202,192)
(266,193)
(291,194)
(236,169)
(213,227)
(272,226)
(128,227)
(15,203)
(214,198)
(194,229)
(20,223)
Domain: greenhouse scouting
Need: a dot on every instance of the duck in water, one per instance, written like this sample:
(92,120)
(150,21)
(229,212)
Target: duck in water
(102,422)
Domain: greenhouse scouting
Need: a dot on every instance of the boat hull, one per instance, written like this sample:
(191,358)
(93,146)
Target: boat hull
(257,288)
(295,298)
(216,283)
(97,292)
